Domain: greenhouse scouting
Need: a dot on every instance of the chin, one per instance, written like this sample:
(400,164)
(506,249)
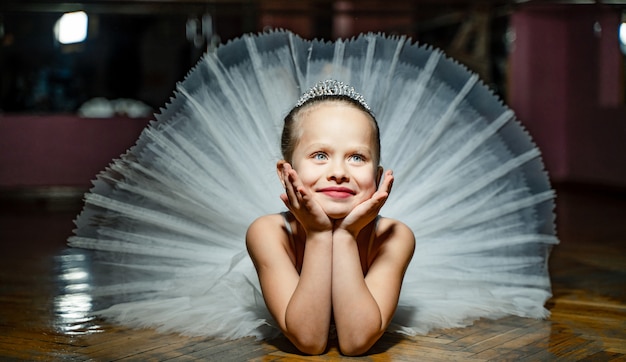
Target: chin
(336,214)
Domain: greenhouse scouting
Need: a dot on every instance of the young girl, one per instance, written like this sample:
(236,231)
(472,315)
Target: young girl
(331,257)
(165,224)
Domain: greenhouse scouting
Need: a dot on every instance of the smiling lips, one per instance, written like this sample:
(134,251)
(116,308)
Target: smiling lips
(337,192)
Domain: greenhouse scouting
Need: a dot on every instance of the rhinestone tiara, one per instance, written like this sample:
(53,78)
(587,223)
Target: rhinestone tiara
(331,87)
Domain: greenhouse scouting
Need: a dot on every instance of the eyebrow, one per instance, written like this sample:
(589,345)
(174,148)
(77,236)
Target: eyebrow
(357,149)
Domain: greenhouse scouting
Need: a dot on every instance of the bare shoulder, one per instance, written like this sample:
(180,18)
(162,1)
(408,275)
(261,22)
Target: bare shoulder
(267,227)
(391,254)
(394,229)
(395,236)
(266,235)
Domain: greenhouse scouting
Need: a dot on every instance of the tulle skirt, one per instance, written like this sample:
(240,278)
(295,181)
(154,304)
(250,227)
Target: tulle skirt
(166,221)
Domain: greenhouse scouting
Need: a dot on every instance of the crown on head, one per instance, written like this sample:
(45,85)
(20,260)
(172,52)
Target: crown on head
(331,87)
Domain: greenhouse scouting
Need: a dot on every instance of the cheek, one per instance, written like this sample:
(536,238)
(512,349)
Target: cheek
(367,180)
(306,174)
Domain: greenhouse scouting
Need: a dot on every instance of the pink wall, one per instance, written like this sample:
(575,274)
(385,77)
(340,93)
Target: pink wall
(60,150)
(566,87)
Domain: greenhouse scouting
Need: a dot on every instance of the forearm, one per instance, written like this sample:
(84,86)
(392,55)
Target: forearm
(308,314)
(357,314)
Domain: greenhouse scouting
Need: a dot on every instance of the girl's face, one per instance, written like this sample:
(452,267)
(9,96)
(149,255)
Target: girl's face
(334,157)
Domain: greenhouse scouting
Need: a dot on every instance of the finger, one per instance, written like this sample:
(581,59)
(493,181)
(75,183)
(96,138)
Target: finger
(381,195)
(290,191)
(391,178)
(387,182)
(296,184)
(295,191)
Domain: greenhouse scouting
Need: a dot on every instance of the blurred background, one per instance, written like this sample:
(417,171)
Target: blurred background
(80,80)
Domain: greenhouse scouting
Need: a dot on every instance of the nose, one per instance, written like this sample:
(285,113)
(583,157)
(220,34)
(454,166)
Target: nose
(338,171)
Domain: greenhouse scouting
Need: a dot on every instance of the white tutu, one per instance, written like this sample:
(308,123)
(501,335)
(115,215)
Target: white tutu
(167,220)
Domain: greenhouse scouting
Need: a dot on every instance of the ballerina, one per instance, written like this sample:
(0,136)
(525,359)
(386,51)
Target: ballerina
(331,257)
(167,222)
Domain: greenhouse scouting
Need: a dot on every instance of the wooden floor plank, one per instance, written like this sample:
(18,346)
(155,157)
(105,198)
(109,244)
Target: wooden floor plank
(616,358)
(526,341)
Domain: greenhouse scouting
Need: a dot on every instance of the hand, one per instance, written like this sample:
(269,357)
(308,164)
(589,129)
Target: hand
(367,211)
(301,204)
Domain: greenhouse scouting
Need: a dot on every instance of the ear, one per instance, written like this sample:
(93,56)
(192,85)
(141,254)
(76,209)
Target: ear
(279,171)
(379,174)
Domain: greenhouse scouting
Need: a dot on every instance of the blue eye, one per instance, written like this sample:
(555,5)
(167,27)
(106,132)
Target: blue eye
(320,156)
(357,158)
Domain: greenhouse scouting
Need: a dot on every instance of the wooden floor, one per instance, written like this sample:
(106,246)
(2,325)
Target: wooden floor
(41,320)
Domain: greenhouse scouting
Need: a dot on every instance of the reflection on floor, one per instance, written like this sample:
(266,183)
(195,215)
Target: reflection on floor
(44,306)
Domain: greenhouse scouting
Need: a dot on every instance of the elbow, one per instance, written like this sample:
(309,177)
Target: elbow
(310,346)
(307,341)
(358,339)
(357,345)
(355,349)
